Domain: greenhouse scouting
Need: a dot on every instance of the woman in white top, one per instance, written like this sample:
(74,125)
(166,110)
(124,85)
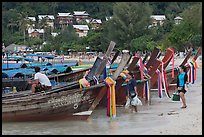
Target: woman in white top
(41,81)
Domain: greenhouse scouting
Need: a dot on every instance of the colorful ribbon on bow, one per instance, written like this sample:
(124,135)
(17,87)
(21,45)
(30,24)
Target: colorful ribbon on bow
(111,104)
(172,72)
(160,94)
(147,91)
(162,81)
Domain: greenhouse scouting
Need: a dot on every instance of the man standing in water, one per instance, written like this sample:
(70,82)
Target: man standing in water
(131,91)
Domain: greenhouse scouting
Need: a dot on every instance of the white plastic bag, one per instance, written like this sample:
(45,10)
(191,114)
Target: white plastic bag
(136,101)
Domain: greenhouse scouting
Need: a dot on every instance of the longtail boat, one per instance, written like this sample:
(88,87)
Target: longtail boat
(61,102)
(166,60)
(169,71)
(152,65)
(121,90)
(21,83)
(172,81)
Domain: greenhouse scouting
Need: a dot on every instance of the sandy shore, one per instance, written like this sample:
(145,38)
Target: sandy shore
(180,121)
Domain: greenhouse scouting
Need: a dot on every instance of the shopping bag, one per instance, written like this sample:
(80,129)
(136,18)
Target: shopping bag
(136,101)
(176,96)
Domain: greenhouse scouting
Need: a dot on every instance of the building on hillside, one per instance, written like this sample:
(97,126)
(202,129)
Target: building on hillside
(177,20)
(54,34)
(81,30)
(157,20)
(48,18)
(80,16)
(32,20)
(96,24)
(63,20)
(36,32)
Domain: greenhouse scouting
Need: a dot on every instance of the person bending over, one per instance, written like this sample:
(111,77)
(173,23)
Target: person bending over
(131,90)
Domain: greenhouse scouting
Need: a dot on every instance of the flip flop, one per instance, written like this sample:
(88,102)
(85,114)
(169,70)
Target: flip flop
(183,106)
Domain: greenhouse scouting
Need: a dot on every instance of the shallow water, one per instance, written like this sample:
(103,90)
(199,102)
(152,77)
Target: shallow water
(126,122)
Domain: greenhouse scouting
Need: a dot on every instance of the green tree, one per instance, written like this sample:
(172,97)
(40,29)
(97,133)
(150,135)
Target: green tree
(142,43)
(191,25)
(93,40)
(24,25)
(130,20)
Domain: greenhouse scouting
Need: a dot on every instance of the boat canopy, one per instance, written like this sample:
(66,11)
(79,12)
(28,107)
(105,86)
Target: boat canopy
(15,65)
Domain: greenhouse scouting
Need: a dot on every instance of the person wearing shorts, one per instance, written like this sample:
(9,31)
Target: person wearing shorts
(41,82)
(181,81)
(131,90)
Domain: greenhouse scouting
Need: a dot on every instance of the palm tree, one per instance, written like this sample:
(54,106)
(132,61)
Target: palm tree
(11,25)
(23,23)
(43,25)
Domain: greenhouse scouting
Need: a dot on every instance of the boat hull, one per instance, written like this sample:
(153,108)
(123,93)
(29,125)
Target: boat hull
(49,106)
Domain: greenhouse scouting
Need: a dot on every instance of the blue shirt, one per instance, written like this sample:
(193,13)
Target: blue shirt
(181,79)
(130,86)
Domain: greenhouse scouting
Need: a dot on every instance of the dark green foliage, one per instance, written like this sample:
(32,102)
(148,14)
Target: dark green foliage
(128,26)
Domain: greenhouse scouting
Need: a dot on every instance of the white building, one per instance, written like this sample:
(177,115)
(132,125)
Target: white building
(81,30)
(49,19)
(35,32)
(157,19)
(177,20)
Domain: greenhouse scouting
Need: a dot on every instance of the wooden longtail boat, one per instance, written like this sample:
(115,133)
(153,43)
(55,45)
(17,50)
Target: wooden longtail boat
(121,90)
(151,66)
(166,60)
(62,102)
(172,81)
(169,71)
(21,84)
